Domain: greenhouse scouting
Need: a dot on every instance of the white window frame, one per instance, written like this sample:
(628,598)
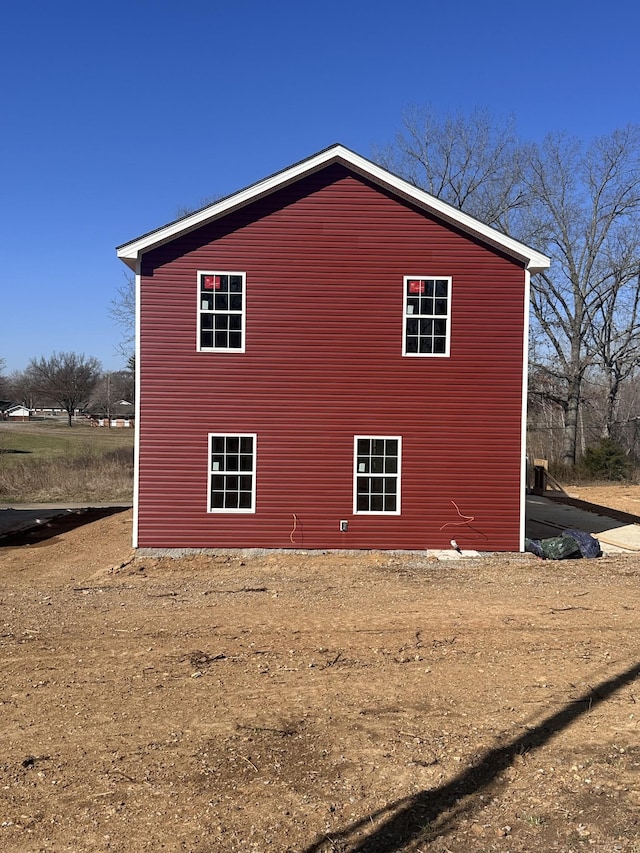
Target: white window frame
(215,312)
(360,473)
(224,472)
(406,315)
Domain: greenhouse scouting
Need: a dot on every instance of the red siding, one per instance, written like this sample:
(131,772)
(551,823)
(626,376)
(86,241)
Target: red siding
(325,261)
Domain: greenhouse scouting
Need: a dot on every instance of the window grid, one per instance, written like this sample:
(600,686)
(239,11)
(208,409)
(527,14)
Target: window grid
(427,306)
(377,475)
(221,311)
(232,473)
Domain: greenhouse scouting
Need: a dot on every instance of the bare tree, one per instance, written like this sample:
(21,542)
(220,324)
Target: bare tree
(584,205)
(186,210)
(123,306)
(19,389)
(615,333)
(578,204)
(113,390)
(123,312)
(4,382)
(65,378)
(472,162)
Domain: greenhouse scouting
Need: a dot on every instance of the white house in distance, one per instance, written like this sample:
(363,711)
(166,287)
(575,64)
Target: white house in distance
(18,414)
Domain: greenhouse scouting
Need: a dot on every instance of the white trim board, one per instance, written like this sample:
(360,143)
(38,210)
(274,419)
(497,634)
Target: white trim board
(533,261)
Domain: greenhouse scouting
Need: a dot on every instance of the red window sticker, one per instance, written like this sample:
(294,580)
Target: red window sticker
(211,282)
(416,287)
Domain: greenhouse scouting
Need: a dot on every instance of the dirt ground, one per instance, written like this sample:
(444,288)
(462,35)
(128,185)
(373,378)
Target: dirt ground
(371,703)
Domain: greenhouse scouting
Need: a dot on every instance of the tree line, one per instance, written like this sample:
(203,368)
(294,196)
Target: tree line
(579,203)
(69,381)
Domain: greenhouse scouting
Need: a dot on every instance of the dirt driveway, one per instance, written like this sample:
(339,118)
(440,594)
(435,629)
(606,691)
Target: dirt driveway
(375,703)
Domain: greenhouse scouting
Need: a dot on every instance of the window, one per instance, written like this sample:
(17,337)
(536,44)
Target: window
(232,473)
(221,311)
(427,311)
(377,475)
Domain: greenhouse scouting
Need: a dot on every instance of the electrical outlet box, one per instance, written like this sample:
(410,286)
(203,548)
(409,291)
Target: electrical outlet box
(344,526)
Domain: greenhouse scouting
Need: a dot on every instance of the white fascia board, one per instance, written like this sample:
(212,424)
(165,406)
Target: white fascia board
(130,251)
(534,261)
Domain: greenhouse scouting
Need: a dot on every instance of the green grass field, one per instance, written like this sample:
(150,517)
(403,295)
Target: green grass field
(43,461)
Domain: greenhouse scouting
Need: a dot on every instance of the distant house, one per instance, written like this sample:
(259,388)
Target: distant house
(113,422)
(119,414)
(15,414)
(330,358)
(48,411)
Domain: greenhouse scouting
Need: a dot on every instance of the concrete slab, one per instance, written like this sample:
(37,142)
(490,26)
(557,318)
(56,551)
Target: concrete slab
(450,554)
(547,518)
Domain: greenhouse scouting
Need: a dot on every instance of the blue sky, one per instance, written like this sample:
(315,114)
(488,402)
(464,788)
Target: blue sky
(115,114)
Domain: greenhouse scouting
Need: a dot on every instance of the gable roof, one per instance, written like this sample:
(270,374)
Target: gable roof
(533,261)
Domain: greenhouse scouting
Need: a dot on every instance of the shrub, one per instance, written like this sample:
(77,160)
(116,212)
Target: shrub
(606,461)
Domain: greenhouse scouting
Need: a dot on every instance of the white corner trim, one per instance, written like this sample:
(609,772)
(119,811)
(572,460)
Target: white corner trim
(525,395)
(136,425)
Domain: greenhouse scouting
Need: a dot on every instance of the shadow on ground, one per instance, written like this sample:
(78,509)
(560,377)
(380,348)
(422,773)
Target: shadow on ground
(21,530)
(409,821)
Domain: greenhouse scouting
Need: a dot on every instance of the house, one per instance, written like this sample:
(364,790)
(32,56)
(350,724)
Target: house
(114,415)
(351,353)
(112,423)
(18,414)
(42,411)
